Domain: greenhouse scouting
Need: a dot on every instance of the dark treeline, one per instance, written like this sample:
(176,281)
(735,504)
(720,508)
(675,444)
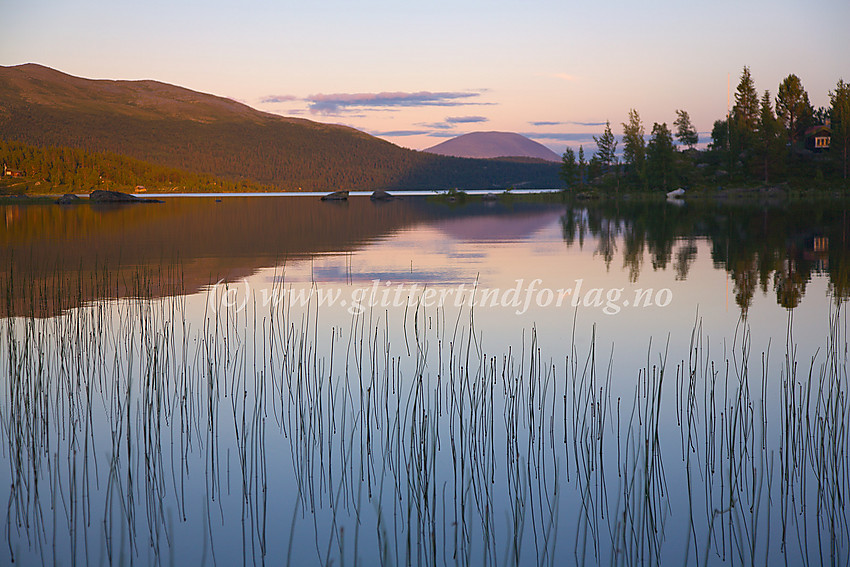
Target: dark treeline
(75,168)
(763,140)
(203,169)
(774,249)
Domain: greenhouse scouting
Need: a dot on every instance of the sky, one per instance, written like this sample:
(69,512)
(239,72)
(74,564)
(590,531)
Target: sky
(419,73)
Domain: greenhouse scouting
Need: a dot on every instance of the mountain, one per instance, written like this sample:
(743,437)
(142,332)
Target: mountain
(174,127)
(493,145)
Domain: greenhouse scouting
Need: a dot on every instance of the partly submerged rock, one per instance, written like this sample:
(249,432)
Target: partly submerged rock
(677,193)
(490,197)
(103,196)
(68,199)
(381,195)
(336,196)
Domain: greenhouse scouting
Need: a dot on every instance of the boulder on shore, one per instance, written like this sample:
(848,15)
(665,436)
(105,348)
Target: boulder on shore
(103,196)
(68,199)
(336,196)
(381,195)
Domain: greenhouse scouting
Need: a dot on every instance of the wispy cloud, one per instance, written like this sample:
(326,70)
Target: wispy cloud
(344,102)
(436,125)
(466,119)
(569,122)
(269,99)
(401,133)
(444,134)
(451,121)
(562,136)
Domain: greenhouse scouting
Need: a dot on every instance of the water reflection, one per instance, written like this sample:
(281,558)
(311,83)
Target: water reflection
(94,252)
(778,248)
(136,433)
(156,430)
(194,242)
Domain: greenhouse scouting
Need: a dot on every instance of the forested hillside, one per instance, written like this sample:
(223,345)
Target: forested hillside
(196,133)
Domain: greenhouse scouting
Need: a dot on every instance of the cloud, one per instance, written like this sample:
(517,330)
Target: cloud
(466,119)
(343,102)
(436,125)
(444,134)
(449,124)
(562,136)
(569,122)
(401,133)
(277,98)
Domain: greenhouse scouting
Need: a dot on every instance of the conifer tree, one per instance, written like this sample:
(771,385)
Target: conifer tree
(743,123)
(606,147)
(769,142)
(745,113)
(569,167)
(634,146)
(793,107)
(840,142)
(582,166)
(685,131)
(660,156)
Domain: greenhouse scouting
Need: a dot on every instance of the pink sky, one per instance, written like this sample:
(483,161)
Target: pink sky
(417,74)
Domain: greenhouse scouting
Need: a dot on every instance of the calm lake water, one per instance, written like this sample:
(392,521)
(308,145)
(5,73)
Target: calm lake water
(280,380)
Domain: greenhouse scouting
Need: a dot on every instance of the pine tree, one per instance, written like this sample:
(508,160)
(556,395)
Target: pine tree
(742,124)
(840,142)
(634,146)
(582,166)
(685,131)
(569,168)
(793,107)
(719,135)
(606,147)
(746,110)
(821,115)
(660,155)
(769,143)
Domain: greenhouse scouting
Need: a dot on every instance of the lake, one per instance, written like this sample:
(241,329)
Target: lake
(280,380)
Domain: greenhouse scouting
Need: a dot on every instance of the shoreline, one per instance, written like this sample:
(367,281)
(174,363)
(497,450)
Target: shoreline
(783,192)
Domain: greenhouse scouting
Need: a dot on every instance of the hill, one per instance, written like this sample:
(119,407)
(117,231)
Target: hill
(494,145)
(188,131)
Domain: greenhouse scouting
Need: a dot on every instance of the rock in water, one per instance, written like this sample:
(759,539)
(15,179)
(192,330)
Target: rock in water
(102,196)
(336,196)
(381,195)
(68,199)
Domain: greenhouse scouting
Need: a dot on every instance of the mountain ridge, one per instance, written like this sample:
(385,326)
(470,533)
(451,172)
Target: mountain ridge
(175,127)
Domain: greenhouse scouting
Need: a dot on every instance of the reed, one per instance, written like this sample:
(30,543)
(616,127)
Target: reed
(154,430)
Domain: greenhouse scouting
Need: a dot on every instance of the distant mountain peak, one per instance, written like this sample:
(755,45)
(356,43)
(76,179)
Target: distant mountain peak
(493,145)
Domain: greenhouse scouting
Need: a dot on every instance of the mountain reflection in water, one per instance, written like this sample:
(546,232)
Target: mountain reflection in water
(190,243)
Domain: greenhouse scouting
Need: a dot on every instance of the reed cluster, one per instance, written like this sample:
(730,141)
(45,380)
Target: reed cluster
(154,430)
